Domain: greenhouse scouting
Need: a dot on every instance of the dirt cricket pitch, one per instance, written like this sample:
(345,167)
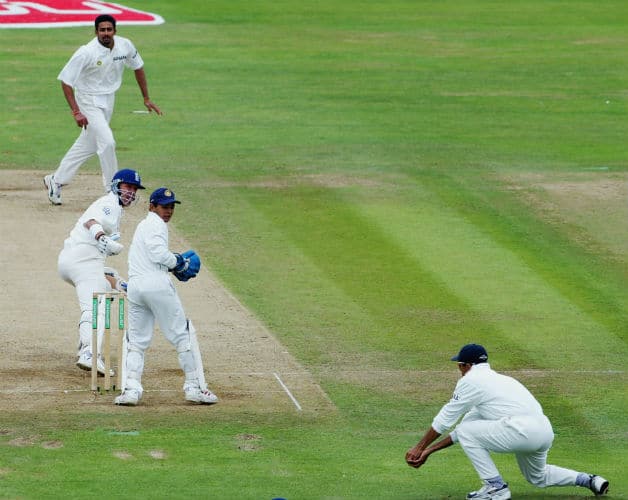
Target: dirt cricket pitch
(245,365)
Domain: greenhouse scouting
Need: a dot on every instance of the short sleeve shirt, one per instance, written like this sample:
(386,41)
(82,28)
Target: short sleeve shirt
(96,70)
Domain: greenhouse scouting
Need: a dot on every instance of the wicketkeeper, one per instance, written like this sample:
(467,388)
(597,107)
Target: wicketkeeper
(501,416)
(153,297)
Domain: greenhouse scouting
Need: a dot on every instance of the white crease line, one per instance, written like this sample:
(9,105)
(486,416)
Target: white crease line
(296,403)
(529,372)
(147,391)
(41,391)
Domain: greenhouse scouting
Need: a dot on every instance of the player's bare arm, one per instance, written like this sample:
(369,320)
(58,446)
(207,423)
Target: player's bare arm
(413,454)
(140,77)
(68,92)
(443,443)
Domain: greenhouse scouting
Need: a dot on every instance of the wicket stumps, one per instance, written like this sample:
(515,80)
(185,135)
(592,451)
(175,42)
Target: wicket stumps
(101,325)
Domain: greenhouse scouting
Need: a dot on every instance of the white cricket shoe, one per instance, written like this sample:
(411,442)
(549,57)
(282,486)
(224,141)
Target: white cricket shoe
(202,397)
(598,485)
(54,190)
(85,363)
(129,397)
(489,492)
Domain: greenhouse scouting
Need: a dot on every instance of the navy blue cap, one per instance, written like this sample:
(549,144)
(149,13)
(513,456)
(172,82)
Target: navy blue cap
(163,196)
(472,354)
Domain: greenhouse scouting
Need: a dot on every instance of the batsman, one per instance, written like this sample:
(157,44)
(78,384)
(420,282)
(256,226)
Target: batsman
(81,263)
(152,298)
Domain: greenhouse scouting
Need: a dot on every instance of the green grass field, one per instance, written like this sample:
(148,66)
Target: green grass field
(380,183)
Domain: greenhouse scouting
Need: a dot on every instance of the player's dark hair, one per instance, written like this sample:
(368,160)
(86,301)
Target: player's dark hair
(104,18)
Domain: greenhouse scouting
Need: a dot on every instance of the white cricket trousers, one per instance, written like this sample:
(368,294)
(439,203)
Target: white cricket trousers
(97,138)
(528,437)
(153,298)
(84,267)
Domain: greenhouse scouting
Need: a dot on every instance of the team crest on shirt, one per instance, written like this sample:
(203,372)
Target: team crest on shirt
(107,210)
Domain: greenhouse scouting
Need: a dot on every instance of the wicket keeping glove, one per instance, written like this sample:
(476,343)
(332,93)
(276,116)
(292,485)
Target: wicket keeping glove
(187,266)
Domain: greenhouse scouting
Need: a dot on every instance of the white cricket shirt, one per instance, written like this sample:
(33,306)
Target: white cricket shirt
(149,249)
(107,211)
(96,70)
(489,395)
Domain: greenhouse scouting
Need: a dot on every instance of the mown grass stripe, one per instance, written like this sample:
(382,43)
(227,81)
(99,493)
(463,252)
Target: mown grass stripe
(587,279)
(498,285)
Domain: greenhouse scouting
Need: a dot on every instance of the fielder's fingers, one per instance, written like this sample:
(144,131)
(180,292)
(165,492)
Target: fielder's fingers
(82,122)
(152,107)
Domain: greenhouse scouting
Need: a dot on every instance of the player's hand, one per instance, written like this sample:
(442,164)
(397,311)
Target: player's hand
(416,458)
(187,266)
(151,106)
(420,461)
(107,246)
(80,119)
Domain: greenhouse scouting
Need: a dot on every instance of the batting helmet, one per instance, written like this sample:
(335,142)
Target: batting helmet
(127,176)
(130,177)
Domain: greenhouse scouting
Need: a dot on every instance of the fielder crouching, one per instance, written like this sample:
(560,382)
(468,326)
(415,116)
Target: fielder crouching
(499,415)
(153,297)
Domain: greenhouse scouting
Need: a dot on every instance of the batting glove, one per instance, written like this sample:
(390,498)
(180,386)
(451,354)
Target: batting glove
(107,246)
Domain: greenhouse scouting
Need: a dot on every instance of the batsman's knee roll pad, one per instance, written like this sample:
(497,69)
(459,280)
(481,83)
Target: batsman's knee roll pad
(134,362)
(184,345)
(134,348)
(86,317)
(134,355)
